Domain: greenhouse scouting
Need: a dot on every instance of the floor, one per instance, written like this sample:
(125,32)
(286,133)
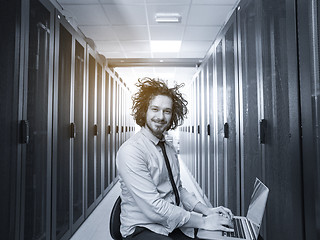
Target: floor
(96,227)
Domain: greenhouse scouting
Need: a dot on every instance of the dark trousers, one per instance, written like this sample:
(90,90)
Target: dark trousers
(141,233)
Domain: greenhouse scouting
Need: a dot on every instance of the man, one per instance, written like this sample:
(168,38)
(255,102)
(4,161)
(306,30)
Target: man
(154,203)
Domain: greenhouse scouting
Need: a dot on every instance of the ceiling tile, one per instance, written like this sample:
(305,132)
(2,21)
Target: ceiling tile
(87,14)
(98,32)
(138,54)
(113,54)
(210,14)
(166,32)
(201,33)
(181,9)
(196,54)
(194,46)
(108,46)
(139,46)
(126,14)
(131,32)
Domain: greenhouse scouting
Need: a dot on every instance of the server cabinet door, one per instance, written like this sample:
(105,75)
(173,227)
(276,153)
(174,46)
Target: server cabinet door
(281,111)
(11,54)
(62,143)
(92,133)
(79,135)
(308,15)
(99,128)
(219,130)
(38,128)
(112,124)
(211,165)
(204,130)
(231,144)
(107,132)
(251,164)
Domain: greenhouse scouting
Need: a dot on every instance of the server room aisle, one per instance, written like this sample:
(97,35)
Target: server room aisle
(96,227)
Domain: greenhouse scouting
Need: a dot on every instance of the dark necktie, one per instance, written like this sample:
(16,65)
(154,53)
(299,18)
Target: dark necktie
(174,187)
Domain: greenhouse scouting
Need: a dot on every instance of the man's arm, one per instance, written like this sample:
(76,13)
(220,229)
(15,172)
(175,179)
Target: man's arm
(133,170)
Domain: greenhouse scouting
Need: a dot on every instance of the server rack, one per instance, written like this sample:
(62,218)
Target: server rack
(54,149)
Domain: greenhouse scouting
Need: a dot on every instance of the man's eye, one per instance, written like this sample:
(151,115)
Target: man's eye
(167,111)
(154,109)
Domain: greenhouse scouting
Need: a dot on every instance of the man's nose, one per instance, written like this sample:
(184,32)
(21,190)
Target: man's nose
(161,115)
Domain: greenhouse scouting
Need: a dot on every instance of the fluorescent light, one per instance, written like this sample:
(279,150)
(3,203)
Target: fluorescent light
(165,46)
(168,18)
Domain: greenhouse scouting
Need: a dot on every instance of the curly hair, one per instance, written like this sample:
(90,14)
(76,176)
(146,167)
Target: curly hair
(148,89)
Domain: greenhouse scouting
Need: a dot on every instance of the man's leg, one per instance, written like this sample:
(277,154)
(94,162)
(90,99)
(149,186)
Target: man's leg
(145,234)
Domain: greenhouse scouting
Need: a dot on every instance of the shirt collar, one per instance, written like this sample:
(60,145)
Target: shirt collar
(148,134)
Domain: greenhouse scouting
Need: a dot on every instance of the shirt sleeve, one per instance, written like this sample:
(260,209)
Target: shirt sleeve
(133,170)
(188,199)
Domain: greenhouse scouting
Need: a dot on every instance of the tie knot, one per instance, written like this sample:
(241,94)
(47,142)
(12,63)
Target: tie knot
(161,143)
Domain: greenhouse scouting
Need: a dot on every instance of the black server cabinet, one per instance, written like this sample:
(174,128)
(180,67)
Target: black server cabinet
(107,148)
(68,131)
(270,127)
(11,79)
(99,155)
(95,124)
(26,83)
(211,168)
(219,127)
(37,126)
(308,13)
(231,118)
(251,164)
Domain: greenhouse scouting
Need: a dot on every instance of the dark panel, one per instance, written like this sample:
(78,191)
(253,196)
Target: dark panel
(63,141)
(211,178)
(107,132)
(220,127)
(36,175)
(9,91)
(99,122)
(112,138)
(91,136)
(78,159)
(282,148)
(251,166)
(231,164)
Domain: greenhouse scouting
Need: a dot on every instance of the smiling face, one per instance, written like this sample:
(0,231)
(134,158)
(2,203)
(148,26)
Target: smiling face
(159,114)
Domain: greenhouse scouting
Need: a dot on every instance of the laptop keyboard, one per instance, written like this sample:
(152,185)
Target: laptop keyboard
(238,229)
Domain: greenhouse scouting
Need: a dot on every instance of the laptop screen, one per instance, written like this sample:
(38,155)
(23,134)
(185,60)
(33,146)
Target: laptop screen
(257,205)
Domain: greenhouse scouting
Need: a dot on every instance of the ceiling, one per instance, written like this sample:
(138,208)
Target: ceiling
(124,29)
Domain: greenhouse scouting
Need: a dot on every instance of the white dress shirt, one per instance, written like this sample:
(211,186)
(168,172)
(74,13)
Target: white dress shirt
(147,196)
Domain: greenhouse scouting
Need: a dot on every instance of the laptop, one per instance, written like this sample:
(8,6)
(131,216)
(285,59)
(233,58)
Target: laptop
(244,227)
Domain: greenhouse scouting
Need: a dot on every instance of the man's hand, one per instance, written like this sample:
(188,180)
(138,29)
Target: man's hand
(219,219)
(225,212)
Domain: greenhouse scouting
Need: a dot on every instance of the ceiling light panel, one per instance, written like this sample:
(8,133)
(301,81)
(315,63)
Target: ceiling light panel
(168,18)
(165,46)
(157,10)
